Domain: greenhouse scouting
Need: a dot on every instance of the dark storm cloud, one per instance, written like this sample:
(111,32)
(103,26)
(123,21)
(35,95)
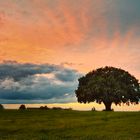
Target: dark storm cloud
(20,83)
(67,75)
(40,90)
(12,69)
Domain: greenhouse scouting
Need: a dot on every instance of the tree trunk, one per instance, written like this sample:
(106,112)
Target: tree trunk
(108,106)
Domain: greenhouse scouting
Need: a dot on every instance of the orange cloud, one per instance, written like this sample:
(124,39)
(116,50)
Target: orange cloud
(83,31)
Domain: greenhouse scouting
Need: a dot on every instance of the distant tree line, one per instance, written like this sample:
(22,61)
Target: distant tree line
(23,107)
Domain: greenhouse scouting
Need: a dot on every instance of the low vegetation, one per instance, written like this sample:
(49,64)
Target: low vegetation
(68,125)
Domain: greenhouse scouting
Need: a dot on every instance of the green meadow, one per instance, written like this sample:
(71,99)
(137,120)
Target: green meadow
(68,125)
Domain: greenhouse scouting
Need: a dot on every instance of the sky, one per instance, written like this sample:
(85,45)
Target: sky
(46,45)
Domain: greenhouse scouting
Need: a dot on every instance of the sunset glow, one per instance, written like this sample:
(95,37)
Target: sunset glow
(66,39)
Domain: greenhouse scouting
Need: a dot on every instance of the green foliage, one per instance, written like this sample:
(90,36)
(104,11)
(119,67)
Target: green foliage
(68,125)
(108,85)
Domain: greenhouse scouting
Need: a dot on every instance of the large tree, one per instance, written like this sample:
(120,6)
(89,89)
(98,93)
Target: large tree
(108,85)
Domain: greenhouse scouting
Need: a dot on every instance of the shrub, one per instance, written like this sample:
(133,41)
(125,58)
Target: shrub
(1,106)
(22,107)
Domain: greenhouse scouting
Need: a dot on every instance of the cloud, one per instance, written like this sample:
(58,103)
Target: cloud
(66,75)
(72,22)
(36,82)
(68,26)
(70,64)
(15,70)
(94,33)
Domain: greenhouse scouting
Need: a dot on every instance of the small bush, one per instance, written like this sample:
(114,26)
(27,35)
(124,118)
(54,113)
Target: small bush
(57,108)
(44,108)
(68,108)
(1,106)
(22,107)
(93,109)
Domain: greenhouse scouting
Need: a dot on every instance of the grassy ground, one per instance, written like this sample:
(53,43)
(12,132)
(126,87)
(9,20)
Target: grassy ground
(68,125)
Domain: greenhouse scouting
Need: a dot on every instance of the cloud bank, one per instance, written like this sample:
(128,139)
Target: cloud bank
(36,83)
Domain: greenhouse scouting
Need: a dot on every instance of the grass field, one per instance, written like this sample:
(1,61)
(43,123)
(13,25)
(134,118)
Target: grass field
(68,125)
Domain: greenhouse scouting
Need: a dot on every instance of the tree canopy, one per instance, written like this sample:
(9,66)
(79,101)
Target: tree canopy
(108,85)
